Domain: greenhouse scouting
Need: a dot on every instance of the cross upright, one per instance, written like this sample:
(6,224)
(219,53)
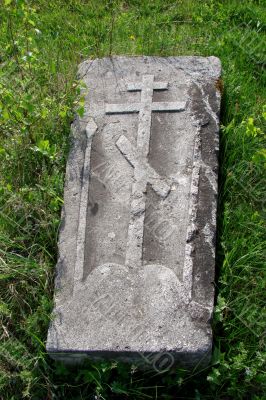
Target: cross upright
(138,158)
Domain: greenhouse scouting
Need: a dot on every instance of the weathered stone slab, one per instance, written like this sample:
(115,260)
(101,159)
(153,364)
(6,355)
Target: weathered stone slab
(137,242)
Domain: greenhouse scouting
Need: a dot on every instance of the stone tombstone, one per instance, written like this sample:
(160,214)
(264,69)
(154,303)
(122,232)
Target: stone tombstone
(137,243)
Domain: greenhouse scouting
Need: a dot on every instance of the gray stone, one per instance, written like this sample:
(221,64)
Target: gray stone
(137,241)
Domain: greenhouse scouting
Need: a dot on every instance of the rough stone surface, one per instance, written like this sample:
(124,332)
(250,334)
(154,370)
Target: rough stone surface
(137,242)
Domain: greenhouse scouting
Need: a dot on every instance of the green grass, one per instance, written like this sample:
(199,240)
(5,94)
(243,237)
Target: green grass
(41,44)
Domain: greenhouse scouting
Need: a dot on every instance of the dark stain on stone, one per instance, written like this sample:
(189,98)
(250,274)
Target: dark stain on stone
(219,85)
(94,208)
(203,264)
(63,220)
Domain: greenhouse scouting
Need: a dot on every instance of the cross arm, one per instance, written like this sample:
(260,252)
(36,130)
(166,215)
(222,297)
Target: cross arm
(159,184)
(169,106)
(135,87)
(135,107)
(122,108)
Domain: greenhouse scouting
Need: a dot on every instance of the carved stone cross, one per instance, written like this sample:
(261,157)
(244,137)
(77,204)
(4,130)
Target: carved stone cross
(138,158)
(126,289)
